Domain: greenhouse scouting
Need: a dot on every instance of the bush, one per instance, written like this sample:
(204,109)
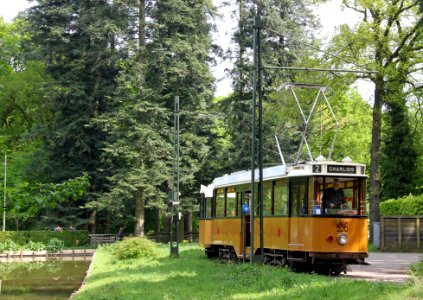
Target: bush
(135,248)
(9,245)
(71,238)
(405,206)
(417,270)
(35,246)
(55,245)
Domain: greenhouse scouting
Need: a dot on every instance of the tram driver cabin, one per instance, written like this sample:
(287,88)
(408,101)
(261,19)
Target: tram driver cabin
(300,228)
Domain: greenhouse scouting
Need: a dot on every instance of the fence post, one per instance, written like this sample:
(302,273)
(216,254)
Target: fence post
(399,233)
(382,233)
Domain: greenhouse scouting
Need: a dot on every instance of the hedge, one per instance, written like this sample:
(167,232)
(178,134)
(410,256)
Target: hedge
(70,238)
(406,206)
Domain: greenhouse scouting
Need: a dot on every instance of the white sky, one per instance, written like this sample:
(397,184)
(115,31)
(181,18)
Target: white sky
(330,15)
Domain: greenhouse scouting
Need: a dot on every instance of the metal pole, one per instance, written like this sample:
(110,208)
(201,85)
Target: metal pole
(257,23)
(174,245)
(257,141)
(4,192)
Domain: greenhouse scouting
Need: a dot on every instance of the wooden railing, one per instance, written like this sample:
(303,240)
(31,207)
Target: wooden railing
(399,233)
(165,237)
(100,239)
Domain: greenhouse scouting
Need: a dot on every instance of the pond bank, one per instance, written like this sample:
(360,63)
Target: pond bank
(40,255)
(87,274)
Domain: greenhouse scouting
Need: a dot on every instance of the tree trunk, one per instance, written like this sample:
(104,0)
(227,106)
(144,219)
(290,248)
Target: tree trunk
(180,228)
(92,224)
(241,48)
(107,223)
(375,178)
(188,227)
(139,214)
(168,225)
(157,228)
(141,39)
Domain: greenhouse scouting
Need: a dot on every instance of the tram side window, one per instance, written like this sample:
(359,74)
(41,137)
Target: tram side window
(230,202)
(220,203)
(208,207)
(298,195)
(267,204)
(281,198)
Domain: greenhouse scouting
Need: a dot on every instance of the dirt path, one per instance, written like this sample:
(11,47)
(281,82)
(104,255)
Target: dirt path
(386,267)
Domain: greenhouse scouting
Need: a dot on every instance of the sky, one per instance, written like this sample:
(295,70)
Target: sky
(330,14)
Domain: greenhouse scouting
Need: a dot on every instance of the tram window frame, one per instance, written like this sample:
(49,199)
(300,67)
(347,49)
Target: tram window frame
(349,185)
(208,207)
(268,196)
(202,206)
(239,198)
(232,212)
(281,208)
(299,207)
(218,213)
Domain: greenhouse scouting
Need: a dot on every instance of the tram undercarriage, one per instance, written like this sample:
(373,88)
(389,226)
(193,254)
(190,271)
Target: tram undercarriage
(322,263)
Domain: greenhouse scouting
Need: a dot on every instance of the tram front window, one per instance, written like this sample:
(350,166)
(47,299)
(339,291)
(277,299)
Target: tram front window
(336,195)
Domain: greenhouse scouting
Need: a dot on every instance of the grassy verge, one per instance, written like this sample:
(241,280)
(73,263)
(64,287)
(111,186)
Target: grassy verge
(193,276)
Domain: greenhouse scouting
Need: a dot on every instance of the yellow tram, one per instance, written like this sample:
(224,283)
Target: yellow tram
(301,228)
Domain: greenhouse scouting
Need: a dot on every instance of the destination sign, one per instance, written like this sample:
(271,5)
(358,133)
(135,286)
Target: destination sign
(341,169)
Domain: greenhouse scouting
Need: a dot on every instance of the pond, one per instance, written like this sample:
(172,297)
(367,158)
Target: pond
(36,280)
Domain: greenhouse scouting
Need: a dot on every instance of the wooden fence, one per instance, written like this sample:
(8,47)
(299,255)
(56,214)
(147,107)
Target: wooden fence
(165,237)
(401,233)
(100,239)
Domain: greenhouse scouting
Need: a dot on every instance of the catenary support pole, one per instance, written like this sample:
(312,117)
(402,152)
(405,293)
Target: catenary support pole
(256,142)
(174,201)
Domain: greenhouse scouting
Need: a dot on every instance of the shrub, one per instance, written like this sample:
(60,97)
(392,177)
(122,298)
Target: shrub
(71,238)
(406,206)
(9,245)
(55,245)
(137,247)
(35,246)
(417,270)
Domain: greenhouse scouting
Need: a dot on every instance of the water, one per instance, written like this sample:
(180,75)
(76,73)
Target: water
(41,280)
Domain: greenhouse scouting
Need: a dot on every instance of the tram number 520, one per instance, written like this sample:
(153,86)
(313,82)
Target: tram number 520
(342,228)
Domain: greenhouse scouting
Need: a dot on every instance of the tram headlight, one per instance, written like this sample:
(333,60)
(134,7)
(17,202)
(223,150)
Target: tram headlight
(342,238)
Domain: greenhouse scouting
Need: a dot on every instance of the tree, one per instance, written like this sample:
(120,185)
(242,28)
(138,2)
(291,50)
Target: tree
(389,41)
(79,43)
(284,23)
(178,66)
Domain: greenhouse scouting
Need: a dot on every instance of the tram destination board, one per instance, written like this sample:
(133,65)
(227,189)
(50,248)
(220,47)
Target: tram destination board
(341,169)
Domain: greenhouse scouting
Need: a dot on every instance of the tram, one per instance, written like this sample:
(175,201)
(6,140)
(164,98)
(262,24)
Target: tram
(301,228)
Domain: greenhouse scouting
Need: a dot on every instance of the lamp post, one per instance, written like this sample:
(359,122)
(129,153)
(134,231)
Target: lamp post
(4,192)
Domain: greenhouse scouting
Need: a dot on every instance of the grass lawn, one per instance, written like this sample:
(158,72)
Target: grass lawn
(193,276)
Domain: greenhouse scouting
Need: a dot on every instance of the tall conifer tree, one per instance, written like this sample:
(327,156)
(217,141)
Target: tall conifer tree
(78,42)
(178,66)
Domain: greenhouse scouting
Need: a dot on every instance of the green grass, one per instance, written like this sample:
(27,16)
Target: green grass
(193,276)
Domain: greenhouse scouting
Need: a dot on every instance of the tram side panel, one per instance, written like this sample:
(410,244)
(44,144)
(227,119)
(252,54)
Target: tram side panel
(276,233)
(205,237)
(310,234)
(226,232)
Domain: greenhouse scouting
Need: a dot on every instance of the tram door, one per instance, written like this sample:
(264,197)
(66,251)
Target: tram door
(297,209)
(244,200)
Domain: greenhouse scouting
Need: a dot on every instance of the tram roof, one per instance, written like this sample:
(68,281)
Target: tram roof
(327,168)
